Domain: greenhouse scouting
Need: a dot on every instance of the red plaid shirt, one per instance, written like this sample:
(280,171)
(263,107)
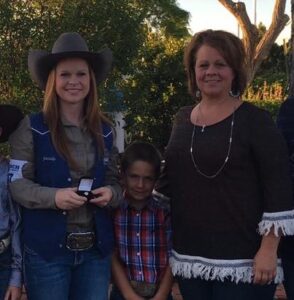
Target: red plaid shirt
(143,239)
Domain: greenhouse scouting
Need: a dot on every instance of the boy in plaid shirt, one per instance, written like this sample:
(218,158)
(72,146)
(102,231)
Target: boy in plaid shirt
(142,230)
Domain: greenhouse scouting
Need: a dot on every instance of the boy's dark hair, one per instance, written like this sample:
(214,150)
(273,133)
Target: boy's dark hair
(141,151)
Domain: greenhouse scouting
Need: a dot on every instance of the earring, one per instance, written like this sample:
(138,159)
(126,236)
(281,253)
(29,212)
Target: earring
(198,94)
(234,94)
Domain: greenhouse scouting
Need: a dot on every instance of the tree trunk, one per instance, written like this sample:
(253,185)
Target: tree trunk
(257,49)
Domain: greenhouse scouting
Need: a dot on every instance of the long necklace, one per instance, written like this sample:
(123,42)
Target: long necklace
(228,152)
(200,113)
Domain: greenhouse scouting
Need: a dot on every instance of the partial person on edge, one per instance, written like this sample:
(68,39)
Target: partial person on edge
(10,244)
(285,122)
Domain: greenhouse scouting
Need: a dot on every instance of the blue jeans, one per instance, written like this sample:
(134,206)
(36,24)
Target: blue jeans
(288,266)
(5,271)
(116,294)
(195,288)
(78,275)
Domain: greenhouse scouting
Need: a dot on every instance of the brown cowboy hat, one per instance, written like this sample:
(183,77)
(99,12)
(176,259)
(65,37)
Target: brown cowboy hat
(10,116)
(68,44)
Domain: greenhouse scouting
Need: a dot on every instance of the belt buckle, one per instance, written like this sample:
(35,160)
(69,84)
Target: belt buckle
(80,241)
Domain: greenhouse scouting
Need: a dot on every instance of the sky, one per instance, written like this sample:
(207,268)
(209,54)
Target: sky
(205,14)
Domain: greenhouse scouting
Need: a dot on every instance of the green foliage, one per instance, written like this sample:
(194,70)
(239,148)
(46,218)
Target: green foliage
(158,87)
(260,91)
(271,80)
(15,85)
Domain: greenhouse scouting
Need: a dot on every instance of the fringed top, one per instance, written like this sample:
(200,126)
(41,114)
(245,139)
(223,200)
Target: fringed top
(218,222)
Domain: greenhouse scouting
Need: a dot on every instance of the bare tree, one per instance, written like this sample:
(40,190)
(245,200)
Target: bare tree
(257,49)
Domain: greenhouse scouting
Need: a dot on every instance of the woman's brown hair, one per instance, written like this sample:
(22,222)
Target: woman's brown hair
(93,118)
(228,45)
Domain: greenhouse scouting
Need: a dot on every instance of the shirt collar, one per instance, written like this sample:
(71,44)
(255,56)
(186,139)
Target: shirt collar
(67,123)
(149,204)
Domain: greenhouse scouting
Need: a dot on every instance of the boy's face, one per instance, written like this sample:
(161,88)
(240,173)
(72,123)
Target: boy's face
(139,180)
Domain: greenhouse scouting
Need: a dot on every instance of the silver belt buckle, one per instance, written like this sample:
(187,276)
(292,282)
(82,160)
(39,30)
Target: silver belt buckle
(80,241)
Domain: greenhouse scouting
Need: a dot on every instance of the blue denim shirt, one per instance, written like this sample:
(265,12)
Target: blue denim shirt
(285,122)
(10,224)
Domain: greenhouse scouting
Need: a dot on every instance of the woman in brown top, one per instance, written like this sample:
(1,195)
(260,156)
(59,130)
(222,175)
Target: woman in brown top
(226,172)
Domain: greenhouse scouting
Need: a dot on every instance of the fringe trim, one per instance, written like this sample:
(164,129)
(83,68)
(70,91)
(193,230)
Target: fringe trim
(281,222)
(240,270)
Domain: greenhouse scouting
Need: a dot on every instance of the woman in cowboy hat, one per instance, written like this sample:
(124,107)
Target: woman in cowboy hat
(67,233)
(10,250)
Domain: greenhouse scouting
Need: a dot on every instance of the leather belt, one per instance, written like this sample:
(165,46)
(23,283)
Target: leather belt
(80,241)
(4,244)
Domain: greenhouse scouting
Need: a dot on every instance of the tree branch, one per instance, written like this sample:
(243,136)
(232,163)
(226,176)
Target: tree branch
(257,50)
(279,21)
(238,9)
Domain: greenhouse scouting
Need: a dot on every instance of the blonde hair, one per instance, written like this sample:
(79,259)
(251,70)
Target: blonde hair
(93,118)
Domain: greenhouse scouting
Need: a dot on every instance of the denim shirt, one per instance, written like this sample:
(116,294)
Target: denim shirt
(285,122)
(10,224)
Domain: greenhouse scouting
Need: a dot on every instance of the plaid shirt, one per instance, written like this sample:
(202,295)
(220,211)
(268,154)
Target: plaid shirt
(143,239)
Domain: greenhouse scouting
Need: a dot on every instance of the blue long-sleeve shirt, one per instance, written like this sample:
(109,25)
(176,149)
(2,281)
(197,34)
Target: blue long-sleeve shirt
(285,122)
(10,225)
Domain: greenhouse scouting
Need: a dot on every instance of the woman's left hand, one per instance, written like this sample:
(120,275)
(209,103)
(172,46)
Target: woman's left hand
(102,196)
(264,266)
(13,293)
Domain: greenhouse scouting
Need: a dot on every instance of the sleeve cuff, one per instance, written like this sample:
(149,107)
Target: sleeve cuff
(51,199)
(281,223)
(116,196)
(15,279)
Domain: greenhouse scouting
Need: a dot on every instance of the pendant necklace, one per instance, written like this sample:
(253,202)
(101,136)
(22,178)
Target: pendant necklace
(193,144)
(200,113)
